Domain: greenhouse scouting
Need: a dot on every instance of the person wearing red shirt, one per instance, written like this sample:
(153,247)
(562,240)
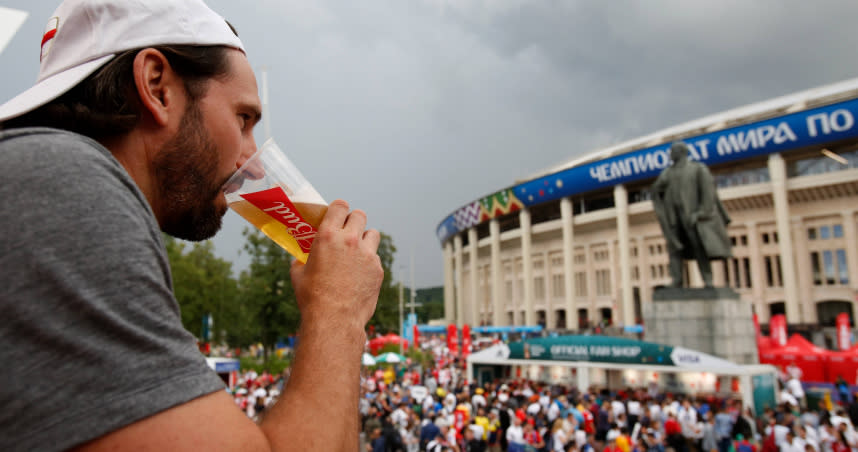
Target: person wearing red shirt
(673,433)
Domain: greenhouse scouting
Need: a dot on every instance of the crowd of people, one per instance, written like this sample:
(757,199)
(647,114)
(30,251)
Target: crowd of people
(408,408)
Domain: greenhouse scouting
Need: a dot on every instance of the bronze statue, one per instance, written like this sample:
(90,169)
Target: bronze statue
(691,216)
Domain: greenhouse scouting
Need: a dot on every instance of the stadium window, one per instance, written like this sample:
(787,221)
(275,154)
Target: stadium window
(775,237)
(828,266)
(842,267)
(737,281)
(726,266)
(816,268)
(746,263)
(770,274)
(583,321)
(558,288)
(780,277)
(824,233)
(508,223)
(837,229)
(652,272)
(580,284)
(811,233)
(733,240)
(743,240)
(539,288)
(765,237)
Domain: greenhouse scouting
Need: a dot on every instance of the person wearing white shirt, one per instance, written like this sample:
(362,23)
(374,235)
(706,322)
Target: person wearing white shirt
(791,444)
(534,408)
(545,400)
(478,400)
(634,411)
(617,408)
(780,433)
(787,397)
(804,436)
(515,436)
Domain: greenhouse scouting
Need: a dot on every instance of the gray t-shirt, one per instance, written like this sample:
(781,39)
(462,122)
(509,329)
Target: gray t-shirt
(91,337)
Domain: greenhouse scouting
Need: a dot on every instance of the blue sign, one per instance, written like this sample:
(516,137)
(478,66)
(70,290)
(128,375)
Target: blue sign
(807,128)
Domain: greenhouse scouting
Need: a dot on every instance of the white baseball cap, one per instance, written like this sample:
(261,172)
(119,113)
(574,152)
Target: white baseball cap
(83,35)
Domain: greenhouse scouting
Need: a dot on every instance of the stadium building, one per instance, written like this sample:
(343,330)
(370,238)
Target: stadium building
(579,244)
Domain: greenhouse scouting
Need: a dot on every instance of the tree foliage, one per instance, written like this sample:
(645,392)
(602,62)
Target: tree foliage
(203,284)
(267,298)
(259,306)
(386,317)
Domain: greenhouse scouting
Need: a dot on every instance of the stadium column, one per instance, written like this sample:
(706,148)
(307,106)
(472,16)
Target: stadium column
(851,238)
(457,276)
(758,281)
(527,263)
(621,201)
(497,303)
(567,222)
(449,283)
(803,267)
(474,295)
(777,172)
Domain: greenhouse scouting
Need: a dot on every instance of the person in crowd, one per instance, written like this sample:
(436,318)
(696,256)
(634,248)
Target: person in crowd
(515,435)
(709,442)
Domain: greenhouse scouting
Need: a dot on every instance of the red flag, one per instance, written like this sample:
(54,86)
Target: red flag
(466,340)
(415,336)
(778,327)
(844,336)
(453,339)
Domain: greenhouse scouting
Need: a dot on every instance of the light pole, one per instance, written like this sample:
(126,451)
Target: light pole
(400,316)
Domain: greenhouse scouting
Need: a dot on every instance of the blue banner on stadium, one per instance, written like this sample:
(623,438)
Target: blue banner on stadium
(806,128)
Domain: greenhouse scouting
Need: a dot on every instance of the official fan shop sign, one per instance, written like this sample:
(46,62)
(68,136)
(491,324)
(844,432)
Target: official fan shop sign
(611,350)
(813,127)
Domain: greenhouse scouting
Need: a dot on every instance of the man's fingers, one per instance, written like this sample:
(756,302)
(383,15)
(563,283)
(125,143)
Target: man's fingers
(356,221)
(372,238)
(336,215)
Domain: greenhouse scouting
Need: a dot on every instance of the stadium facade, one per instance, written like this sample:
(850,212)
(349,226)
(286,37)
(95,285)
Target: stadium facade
(579,244)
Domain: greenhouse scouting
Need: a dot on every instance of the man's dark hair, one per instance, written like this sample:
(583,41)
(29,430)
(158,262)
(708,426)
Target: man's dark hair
(106,104)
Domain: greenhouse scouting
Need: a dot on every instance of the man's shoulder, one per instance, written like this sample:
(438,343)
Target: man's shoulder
(44,137)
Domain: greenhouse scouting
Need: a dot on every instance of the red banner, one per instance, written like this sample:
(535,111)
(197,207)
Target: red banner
(844,335)
(778,327)
(466,341)
(756,325)
(453,339)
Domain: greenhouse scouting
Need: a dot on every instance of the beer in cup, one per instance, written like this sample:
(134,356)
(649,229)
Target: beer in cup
(270,193)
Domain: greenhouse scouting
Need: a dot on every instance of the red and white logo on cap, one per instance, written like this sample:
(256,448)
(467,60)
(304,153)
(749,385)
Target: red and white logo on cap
(48,37)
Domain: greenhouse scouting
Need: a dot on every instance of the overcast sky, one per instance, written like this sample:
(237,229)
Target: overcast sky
(409,109)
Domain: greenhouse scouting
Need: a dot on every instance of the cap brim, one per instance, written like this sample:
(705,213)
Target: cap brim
(50,88)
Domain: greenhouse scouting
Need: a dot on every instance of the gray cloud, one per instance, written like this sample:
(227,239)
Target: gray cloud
(409,109)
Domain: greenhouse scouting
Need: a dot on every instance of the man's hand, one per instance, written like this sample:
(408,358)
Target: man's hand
(339,285)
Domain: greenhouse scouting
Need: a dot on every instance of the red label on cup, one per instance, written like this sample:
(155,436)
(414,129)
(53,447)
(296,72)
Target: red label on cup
(277,205)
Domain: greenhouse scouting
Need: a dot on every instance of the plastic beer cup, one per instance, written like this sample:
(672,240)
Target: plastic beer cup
(270,193)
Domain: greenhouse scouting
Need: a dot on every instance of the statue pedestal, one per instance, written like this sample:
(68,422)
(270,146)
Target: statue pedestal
(709,320)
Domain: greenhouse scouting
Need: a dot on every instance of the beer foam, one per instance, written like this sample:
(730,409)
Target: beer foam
(307,194)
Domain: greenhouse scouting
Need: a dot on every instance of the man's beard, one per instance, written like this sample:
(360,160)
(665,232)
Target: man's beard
(186,178)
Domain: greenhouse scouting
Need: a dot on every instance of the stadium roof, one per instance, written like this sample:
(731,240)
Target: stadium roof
(790,103)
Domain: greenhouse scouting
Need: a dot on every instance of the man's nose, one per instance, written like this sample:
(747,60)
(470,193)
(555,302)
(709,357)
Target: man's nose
(248,149)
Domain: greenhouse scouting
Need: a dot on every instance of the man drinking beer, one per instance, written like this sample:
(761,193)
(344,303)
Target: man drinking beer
(141,112)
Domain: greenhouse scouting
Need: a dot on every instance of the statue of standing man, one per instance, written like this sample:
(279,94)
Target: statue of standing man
(691,216)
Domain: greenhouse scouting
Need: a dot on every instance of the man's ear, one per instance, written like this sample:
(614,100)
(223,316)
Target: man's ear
(157,85)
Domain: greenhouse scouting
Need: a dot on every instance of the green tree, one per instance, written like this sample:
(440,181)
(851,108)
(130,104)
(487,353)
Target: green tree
(386,317)
(267,298)
(202,284)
